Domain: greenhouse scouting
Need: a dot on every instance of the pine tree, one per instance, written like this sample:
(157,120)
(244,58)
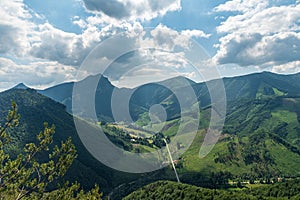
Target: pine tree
(26,177)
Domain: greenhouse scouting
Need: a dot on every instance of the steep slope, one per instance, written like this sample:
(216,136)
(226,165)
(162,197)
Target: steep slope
(63,93)
(260,139)
(20,86)
(260,142)
(265,83)
(244,87)
(142,99)
(251,86)
(262,124)
(35,109)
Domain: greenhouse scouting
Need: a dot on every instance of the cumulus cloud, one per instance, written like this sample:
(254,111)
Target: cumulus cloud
(153,55)
(40,54)
(15,27)
(39,74)
(112,8)
(7,40)
(195,33)
(70,48)
(37,54)
(264,21)
(260,34)
(57,45)
(21,37)
(256,49)
(290,67)
(167,38)
(242,6)
(132,9)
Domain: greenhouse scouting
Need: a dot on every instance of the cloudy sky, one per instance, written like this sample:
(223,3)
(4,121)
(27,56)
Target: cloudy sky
(44,43)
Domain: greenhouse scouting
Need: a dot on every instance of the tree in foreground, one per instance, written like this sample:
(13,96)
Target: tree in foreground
(27,177)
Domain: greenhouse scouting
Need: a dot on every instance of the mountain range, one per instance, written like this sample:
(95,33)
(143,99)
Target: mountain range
(260,139)
(248,86)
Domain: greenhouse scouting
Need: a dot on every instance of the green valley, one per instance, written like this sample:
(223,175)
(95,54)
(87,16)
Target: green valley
(259,144)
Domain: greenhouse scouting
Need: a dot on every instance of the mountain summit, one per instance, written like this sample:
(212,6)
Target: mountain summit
(21,86)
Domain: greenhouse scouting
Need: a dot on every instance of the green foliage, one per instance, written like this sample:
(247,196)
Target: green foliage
(36,109)
(256,135)
(171,190)
(123,139)
(11,121)
(288,189)
(73,192)
(262,125)
(158,140)
(26,176)
(176,191)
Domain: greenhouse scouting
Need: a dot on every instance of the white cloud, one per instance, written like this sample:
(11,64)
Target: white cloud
(69,48)
(167,38)
(256,49)
(143,52)
(195,33)
(47,42)
(57,45)
(290,67)
(72,49)
(131,9)
(39,74)
(15,27)
(259,35)
(20,37)
(242,6)
(36,52)
(267,21)
(79,22)
(149,73)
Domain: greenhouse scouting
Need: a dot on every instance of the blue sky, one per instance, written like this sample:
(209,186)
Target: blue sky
(44,43)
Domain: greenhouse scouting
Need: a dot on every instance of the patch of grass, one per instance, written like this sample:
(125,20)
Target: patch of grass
(278,92)
(285,116)
(286,161)
(193,163)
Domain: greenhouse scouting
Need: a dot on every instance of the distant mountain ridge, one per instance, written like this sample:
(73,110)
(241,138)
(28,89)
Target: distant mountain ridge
(248,86)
